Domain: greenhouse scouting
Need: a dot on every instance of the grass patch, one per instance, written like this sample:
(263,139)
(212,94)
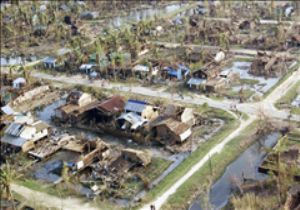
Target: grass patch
(249,81)
(57,190)
(32,203)
(197,183)
(282,79)
(243,59)
(286,100)
(149,174)
(236,94)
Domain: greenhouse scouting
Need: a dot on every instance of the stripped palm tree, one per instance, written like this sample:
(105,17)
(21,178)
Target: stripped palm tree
(7,175)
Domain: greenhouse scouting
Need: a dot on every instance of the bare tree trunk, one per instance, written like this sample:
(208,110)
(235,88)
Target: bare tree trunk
(297,10)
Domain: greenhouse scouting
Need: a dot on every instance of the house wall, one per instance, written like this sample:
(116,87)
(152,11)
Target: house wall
(185,135)
(84,99)
(164,133)
(27,146)
(30,133)
(43,133)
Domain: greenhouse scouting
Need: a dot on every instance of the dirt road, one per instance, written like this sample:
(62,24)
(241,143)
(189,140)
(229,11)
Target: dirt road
(49,201)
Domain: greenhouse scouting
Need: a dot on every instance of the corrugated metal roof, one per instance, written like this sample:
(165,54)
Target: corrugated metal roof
(174,125)
(113,104)
(49,60)
(134,119)
(16,141)
(135,106)
(14,129)
(7,110)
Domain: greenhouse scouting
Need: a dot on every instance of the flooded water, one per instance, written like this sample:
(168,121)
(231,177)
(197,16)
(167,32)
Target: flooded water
(8,61)
(245,166)
(242,68)
(143,14)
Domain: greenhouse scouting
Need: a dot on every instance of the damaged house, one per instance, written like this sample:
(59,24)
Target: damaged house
(210,77)
(76,155)
(77,103)
(137,113)
(107,110)
(269,65)
(30,95)
(182,114)
(22,136)
(114,169)
(34,98)
(89,152)
(170,131)
(141,108)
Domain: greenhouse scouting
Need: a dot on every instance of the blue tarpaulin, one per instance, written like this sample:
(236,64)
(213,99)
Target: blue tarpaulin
(178,73)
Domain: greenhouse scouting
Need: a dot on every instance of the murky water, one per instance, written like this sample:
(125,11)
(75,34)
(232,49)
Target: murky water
(245,166)
(15,60)
(138,15)
(242,68)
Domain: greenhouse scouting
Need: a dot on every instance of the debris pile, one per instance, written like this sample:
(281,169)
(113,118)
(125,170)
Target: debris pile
(269,65)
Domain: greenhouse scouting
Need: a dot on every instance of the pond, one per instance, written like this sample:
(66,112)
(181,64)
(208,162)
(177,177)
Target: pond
(244,167)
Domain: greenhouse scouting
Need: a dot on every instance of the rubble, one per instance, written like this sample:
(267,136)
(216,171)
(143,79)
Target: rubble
(269,65)
(293,198)
(34,98)
(113,170)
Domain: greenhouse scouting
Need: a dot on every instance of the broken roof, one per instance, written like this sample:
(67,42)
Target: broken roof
(174,125)
(114,104)
(144,157)
(40,125)
(135,120)
(74,95)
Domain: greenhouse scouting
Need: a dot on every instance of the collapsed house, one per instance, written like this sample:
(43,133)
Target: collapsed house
(269,65)
(23,136)
(89,151)
(114,169)
(34,98)
(49,146)
(72,156)
(30,95)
